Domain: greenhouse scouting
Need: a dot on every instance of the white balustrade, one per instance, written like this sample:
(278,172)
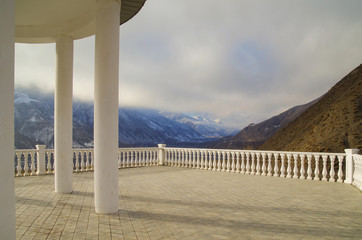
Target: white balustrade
(313,166)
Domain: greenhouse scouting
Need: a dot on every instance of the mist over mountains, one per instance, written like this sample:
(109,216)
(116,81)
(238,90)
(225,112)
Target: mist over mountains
(34,124)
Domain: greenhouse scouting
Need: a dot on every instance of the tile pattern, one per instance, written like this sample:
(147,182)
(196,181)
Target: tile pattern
(179,203)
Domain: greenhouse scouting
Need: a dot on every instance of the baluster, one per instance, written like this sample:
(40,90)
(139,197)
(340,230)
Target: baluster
(188,159)
(207,160)
(177,158)
(219,161)
(228,162)
(257,155)
(133,158)
(237,166)
(302,170)
(77,153)
(148,152)
(242,170)
(233,162)
(263,168)
(173,157)
(198,159)
(223,162)
(316,169)
(128,159)
(91,161)
(169,157)
(32,164)
(289,169)
(119,159)
(155,160)
(340,172)
(139,158)
(151,157)
(82,163)
(269,164)
(309,171)
(282,169)
(26,164)
(324,172)
(332,173)
(15,164)
(87,160)
(193,158)
(18,167)
(253,163)
(144,158)
(247,163)
(182,158)
(276,165)
(214,161)
(295,170)
(210,160)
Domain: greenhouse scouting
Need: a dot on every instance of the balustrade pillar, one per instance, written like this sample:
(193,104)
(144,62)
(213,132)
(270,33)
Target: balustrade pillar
(7,183)
(106,193)
(161,154)
(350,165)
(41,160)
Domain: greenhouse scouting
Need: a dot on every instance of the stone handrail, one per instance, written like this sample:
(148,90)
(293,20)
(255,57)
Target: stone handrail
(332,167)
(298,165)
(26,160)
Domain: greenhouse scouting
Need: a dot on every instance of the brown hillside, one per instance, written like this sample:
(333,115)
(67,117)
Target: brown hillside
(332,124)
(255,135)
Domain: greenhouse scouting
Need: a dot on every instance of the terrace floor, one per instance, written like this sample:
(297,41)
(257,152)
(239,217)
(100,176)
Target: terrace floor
(180,203)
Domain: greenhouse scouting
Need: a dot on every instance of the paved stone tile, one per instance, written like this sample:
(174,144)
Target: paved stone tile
(179,203)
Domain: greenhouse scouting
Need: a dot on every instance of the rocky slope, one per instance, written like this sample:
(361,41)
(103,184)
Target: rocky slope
(332,124)
(255,135)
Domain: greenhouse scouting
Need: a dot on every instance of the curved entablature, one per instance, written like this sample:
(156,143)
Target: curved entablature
(41,21)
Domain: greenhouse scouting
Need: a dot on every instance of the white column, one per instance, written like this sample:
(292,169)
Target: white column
(7,185)
(106,108)
(63,134)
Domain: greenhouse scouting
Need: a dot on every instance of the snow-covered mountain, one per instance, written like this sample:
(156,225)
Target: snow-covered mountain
(208,126)
(34,124)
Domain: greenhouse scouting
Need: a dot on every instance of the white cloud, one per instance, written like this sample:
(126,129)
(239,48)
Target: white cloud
(232,58)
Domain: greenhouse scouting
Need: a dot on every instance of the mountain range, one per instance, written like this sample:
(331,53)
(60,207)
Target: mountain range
(34,124)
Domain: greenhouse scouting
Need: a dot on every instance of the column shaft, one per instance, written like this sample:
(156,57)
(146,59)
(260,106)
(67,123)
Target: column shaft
(106,108)
(63,113)
(7,185)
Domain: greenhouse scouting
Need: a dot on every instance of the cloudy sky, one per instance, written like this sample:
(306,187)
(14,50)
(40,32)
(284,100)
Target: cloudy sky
(239,60)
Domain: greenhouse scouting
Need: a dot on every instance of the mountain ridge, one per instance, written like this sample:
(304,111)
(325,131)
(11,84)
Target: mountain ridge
(34,124)
(333,124)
